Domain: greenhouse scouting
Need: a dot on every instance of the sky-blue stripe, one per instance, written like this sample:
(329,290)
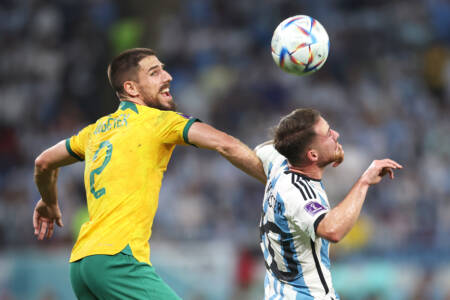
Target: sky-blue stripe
(269,169)
(281,222)
(266,251)
(282,290)
(275,283)
(303,296)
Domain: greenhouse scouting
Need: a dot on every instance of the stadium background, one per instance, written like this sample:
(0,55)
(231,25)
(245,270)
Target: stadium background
(385,88)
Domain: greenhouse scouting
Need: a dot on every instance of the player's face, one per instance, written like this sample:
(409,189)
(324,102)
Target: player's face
(327,145)
(154,84)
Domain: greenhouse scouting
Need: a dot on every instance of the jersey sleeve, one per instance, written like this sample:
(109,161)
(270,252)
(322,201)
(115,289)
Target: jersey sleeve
(270,158)
(174,127)
(306,215)
(76,144)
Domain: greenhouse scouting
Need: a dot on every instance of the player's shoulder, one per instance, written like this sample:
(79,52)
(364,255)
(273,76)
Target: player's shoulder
(284,187)
(267,153)
(304,187)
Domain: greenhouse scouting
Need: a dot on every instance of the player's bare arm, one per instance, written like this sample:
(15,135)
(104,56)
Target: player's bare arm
(47,211)
(236,152)
(338,222)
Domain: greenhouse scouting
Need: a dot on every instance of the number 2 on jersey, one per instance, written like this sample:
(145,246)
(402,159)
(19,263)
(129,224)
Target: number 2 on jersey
(97,194)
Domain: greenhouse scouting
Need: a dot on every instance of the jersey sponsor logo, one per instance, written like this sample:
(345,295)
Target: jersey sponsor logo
(314,207)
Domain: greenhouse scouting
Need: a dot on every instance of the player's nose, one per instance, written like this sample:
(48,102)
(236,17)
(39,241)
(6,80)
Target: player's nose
(336,134)
(167,77)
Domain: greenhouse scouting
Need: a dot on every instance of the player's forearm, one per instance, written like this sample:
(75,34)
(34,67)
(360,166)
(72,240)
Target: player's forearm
(340,220)
(243,158)
(45,178)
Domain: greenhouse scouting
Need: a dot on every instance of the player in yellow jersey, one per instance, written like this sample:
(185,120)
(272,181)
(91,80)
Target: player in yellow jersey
(126,154)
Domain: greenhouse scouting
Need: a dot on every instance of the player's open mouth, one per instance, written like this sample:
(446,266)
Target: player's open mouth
(166,92)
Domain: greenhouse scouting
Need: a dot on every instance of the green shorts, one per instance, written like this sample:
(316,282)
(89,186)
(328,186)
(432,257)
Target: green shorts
(118,276)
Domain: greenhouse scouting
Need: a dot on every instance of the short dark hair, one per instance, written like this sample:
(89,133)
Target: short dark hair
(294,133)
(124,67)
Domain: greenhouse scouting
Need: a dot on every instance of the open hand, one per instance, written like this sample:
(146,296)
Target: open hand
(44,217)
(378,169)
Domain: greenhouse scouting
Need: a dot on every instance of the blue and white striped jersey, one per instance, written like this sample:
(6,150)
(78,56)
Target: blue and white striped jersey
(297,262)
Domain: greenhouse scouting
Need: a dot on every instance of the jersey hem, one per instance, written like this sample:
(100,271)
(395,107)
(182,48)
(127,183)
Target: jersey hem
(126,250)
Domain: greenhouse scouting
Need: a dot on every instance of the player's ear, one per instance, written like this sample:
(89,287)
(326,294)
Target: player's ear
(312,155)
(130,88)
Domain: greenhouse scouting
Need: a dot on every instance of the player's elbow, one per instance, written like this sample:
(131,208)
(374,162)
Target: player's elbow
(329,233)
(42,163)
(334,237)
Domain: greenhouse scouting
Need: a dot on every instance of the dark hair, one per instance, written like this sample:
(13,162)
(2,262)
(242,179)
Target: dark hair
(124,67)
(294,133)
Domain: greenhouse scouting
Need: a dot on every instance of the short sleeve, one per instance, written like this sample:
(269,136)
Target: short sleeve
(76,144)
(174,127)
(306,215)
(270,157)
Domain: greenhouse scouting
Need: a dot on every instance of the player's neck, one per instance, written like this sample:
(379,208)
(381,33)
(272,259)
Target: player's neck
(312,171)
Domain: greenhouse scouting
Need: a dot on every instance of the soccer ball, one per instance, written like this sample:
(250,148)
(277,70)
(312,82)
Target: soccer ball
(300,45)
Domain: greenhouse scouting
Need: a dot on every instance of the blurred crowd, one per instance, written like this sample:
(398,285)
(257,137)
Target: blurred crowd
(385,88)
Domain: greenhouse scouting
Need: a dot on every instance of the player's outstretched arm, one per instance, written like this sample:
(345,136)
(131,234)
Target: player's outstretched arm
(241,156)
(47,211)
(338,222)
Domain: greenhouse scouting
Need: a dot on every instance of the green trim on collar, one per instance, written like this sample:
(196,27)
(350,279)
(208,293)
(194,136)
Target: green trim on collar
(127,104)
(70,150)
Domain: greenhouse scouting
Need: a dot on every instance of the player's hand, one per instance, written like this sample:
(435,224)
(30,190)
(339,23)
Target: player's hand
(44,218)
(379,168)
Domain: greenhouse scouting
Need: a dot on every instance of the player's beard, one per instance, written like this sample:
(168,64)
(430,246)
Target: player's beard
(168,106)
(336,158)
(338,155)
(162,104)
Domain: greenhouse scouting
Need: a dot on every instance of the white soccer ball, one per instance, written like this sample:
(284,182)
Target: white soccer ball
(300,45)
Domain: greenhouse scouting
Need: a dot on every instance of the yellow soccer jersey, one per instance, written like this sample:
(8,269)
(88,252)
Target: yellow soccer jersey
(126,154)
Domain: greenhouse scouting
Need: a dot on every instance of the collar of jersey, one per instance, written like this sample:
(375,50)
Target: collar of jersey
(302,175)
(128,104)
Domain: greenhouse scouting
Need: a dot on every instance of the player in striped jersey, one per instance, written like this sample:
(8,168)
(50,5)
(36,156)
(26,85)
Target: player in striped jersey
(297,221)
(126,154)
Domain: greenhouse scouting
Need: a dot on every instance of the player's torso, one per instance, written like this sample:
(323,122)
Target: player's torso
(125,160)
(292,257)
